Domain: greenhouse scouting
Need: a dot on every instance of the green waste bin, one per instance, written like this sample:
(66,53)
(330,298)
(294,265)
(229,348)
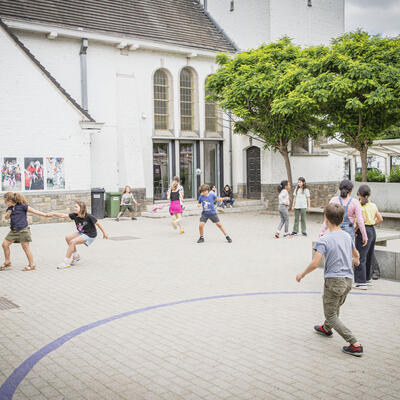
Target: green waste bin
(113,201)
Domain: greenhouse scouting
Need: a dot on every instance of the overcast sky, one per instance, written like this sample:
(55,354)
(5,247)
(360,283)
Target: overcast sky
(374,16)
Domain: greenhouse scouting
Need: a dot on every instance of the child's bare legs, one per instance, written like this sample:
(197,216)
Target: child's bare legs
(221,228)
(6,248)
(179,220)
(72,245)
(201,228)
(28,253)
(69,239)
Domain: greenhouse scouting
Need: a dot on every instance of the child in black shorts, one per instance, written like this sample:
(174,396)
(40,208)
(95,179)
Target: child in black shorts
(207,200)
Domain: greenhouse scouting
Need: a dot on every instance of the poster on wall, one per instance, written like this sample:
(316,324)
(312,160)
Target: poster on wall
(11,175)
(34,177)
(55,173)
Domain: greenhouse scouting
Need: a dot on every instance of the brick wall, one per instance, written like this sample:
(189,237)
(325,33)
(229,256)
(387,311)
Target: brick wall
(320,193)
(61,202)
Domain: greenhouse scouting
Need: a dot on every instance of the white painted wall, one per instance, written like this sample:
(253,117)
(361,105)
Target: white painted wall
(307,25)
(248,25)
(254,22)
(120,94)
(36,120)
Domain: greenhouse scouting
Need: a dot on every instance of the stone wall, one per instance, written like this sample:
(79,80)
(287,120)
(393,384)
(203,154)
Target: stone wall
(61,202)
(320,193)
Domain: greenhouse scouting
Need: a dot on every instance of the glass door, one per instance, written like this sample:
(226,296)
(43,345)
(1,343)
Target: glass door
(211,164)
(186,168)
(160,170)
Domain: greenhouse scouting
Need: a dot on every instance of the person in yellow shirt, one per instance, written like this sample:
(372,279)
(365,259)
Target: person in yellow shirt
(372,217)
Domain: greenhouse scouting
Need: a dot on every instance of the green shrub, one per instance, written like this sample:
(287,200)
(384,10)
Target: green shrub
(373,175)
(395,174)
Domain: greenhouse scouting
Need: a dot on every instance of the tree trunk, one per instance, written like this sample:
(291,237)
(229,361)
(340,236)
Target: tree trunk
(363,155)
(285,154)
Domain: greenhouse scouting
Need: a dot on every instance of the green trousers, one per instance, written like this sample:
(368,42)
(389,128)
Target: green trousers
(335,293)
(297,213)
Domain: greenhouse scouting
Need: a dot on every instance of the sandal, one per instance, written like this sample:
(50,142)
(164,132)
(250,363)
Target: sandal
(5,266)
(29,268)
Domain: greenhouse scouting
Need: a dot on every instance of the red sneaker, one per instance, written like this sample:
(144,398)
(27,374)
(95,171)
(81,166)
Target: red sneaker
(354,351)
(320,329)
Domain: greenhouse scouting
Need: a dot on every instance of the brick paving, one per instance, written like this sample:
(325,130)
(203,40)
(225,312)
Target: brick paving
(246,347)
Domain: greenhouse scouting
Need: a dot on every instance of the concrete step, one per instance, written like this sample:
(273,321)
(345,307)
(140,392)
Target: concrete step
(164,213)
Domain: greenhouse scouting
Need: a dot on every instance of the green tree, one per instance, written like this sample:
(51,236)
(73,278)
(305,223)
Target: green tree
(356,85)
(257,87)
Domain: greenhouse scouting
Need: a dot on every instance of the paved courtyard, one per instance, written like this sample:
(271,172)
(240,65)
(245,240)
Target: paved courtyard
(192,321)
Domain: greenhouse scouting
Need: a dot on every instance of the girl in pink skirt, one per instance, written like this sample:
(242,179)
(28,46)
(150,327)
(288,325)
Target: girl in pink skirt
(175,208)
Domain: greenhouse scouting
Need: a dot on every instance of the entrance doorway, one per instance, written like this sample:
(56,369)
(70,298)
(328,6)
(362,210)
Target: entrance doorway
(186,168)
(160,170)
(211,164)
(253,172)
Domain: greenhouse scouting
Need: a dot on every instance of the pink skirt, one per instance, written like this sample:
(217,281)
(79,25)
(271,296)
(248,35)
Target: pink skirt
(175,207)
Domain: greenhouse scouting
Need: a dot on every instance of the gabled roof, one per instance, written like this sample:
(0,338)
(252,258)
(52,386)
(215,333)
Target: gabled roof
(45,72)
(181,22)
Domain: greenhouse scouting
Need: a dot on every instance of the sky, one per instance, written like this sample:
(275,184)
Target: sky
(374,16)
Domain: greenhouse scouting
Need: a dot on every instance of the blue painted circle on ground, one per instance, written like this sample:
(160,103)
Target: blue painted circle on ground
(10,385)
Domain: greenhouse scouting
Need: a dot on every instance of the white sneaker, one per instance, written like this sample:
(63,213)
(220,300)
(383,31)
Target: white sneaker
(360,286)
(369,283)
(75,259)
(64,265)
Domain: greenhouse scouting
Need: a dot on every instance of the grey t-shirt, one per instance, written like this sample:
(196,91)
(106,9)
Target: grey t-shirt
(337,248)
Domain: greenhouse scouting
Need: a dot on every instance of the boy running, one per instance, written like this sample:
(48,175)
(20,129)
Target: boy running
(340,255)
(207,200)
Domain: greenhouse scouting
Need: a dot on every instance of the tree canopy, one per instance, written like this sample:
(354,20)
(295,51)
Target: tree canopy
(257,86)
(355,84)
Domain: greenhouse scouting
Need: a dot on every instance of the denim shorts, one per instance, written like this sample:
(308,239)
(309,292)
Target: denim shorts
(88,239)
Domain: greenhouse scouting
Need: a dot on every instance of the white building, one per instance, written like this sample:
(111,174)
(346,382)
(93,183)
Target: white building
(138,70)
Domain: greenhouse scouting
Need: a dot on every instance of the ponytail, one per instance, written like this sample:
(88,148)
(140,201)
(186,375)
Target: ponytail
(282,185)
(364,191)
(345,188)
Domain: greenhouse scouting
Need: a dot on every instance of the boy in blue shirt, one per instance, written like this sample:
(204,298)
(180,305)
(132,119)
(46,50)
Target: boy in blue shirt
(340,254)
(207,200)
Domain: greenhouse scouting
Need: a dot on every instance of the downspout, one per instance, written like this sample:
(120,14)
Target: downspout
(205,5)
(84,90)
(230,149)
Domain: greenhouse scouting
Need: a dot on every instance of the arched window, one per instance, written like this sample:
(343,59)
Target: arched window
(187,100)
(211,114)
(161,100)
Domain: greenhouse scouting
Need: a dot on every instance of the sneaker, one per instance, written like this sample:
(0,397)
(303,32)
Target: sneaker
(320,330)
(360,286)
(354,351)
(75,259)
(182,232)
(133,218)
(369,283)
(375,277)
(228,239)
(117,219)
(64,265)
(304,234)
(201,240)
(293,233)
(277,235)
(173,224)
(287,235)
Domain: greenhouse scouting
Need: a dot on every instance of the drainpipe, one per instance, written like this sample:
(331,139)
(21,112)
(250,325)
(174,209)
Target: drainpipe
(205,5)
(84,91)
(230,148)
